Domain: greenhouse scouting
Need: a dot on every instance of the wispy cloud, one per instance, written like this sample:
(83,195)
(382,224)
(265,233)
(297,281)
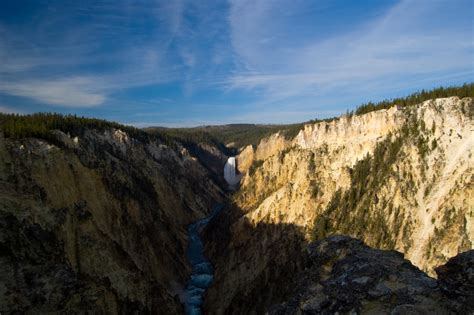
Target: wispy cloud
(402,42)
(68,92)
(62,63)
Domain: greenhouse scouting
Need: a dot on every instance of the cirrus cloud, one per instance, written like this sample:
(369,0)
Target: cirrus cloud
(411,39)
(68,92)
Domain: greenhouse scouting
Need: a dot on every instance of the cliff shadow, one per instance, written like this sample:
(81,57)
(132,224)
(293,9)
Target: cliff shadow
(253,262)
(269,269)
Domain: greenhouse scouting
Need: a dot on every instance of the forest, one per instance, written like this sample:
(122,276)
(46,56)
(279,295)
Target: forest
(39,125)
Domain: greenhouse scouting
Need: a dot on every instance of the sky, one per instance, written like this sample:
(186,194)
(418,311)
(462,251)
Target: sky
(187,63)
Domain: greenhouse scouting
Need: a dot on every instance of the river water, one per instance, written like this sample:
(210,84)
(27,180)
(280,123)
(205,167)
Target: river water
(202,270)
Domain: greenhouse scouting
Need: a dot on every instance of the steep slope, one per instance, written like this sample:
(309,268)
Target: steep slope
(397,178)
(417,161)
(97,222)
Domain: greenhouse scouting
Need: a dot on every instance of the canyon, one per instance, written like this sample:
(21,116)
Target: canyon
(397,179)
(369,213)
(97,223)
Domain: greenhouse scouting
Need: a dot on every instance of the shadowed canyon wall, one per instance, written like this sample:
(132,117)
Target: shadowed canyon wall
(97,223)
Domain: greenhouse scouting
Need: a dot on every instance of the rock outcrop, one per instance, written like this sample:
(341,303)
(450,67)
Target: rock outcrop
(456,279)
(344,276)
(271,145)
(245,159)
(96,222)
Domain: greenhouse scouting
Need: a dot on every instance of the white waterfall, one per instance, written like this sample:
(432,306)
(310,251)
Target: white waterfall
(229,172)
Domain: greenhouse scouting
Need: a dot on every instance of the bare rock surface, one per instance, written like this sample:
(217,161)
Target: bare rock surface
(344,276)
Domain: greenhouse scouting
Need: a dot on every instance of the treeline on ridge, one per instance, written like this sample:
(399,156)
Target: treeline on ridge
(466,90)
(40,125)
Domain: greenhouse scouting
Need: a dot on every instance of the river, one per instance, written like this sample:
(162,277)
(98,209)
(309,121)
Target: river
(202,270)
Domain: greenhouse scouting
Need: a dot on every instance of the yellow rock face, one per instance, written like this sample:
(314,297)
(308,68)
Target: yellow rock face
(245,159)
(423,203)
(295,186)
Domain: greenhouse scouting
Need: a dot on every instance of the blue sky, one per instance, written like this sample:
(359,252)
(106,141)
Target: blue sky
(187,63)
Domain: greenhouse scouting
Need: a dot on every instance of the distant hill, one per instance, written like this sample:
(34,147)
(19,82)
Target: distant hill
(233,136)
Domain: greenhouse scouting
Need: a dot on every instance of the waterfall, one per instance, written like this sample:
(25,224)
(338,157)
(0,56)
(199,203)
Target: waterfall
(229,172)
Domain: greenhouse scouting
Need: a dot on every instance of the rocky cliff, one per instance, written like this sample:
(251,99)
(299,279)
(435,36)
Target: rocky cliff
(398,179)
(344,276)
(96,222)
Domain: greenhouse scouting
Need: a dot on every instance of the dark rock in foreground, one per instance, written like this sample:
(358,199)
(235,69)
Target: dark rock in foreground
(456,279)
(344,276)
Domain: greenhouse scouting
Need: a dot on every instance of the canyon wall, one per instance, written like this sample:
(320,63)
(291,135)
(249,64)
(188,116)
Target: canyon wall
(96,222)
(400,178)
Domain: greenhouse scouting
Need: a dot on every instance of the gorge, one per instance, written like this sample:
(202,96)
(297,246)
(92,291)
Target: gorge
(367,213)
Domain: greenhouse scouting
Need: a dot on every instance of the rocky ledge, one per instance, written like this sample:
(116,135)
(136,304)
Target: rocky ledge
(344,276)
